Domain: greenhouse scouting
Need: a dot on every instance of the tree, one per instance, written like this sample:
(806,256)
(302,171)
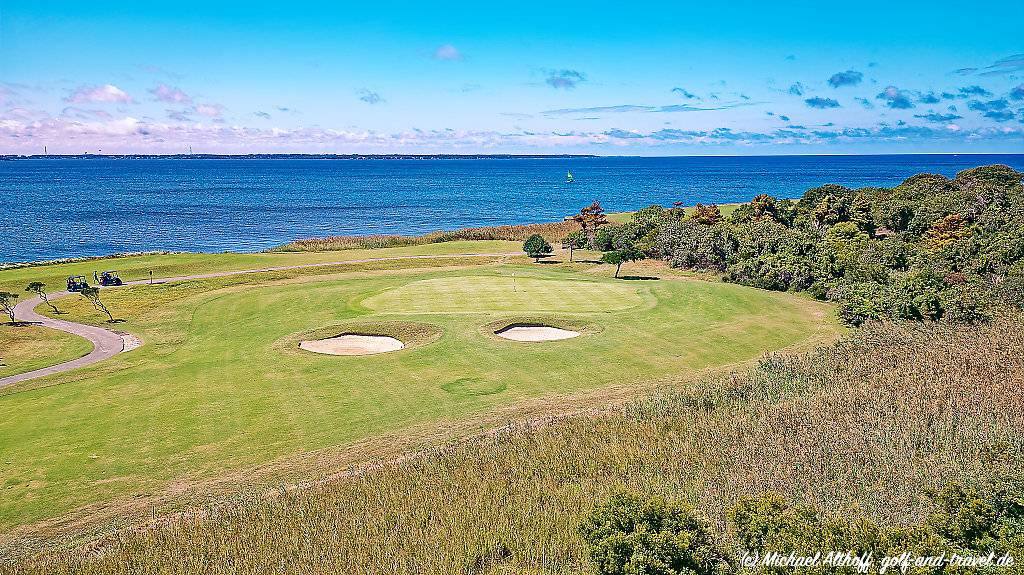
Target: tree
(574,241)
(624,249)
(37,288)
(7,304)
(633,535)
(946,231)
(590,219)
(707,215)
(537,247)
(92,294)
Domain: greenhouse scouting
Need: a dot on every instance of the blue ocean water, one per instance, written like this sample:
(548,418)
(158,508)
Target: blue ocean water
(56,208)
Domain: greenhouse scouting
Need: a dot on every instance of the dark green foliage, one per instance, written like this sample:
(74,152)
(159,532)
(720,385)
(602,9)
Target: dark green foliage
(967,520)
(576,240)
(537,247)
(624,246)
(634,535)
(929,249)
(690,244)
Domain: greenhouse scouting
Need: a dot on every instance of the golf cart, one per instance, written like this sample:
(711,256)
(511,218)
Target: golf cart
(77,283)
(110,278)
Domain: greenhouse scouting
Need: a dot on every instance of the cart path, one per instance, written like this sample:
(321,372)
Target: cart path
(107,343)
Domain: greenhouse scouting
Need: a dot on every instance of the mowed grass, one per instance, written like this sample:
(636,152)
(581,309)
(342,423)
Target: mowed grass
(170,265)
(28,347)
(214,391)
(506,293)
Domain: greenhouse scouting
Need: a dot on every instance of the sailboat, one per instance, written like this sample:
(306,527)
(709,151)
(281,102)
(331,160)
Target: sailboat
(568,177)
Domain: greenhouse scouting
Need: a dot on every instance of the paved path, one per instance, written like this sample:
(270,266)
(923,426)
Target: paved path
(108,343)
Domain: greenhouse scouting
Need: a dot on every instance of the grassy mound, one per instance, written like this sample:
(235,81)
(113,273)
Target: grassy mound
(581,325)
(410,333)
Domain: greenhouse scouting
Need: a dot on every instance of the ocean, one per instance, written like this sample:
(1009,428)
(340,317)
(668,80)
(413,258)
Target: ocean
(55,208)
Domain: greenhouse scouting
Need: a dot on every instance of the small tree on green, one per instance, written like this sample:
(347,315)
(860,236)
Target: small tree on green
(576,240)
(537,247)
(38,288)
(92,294)
(7,304)
(624,250)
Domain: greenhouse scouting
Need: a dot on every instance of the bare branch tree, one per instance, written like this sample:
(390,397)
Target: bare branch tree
(92,294)
(38,288)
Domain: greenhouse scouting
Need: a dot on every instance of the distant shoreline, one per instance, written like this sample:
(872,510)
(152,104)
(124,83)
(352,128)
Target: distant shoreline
(11,157)
(294,156)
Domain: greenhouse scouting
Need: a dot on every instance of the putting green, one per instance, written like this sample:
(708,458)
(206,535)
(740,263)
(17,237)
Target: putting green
(505,293)
(214,391)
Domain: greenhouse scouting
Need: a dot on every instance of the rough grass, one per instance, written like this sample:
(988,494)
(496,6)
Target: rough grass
(865,426)
(137,267)
(210,393)
(29,347)
(553,232)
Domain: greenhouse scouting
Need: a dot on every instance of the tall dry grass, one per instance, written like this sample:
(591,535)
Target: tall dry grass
(553,232)
(864,426)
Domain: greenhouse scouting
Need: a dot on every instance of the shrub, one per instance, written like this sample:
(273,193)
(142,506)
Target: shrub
(689,244)
(537,247)
(635,535)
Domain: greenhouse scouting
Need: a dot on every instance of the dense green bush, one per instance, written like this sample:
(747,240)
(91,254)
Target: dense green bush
(537,247)
(634,535)
(929,249)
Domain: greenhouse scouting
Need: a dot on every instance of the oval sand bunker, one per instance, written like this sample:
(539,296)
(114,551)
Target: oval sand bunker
(535,333)
(352,344)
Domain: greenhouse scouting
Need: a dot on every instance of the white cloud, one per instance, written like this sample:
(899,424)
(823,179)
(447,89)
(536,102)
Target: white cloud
(209,110)
(447,52)
(170,94)
(107,93)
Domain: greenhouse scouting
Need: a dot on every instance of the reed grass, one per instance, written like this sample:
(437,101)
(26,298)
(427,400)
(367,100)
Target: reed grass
(552,231)
(864,426)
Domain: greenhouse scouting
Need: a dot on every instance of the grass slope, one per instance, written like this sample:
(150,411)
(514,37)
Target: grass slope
(860,428)
(169,265)
(214,389)
(25,348)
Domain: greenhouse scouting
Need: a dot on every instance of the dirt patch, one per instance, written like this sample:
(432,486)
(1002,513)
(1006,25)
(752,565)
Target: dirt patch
(353,344)
(522,332)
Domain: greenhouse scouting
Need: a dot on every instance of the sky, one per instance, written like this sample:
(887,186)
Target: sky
(645,78)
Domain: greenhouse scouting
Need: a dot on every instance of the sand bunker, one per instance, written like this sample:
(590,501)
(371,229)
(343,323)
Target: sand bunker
(352,344)
(535,333)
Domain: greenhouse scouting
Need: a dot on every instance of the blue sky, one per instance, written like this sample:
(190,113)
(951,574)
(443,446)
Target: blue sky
(531,77)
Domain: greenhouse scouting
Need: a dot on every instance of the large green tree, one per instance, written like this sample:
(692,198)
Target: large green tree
(537,247)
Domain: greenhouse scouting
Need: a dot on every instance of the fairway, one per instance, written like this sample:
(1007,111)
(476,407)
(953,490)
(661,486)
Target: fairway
(505,293)
(220,384)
